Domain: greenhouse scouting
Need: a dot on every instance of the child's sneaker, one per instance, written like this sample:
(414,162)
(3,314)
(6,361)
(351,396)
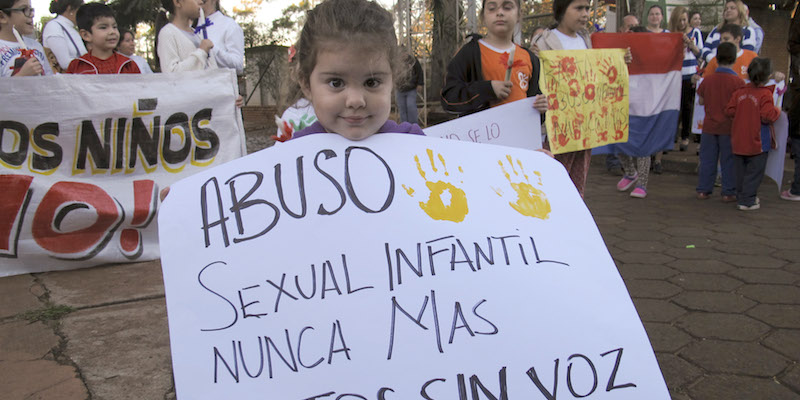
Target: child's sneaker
(626,182)
(787,195)
(755,206)
(639,193)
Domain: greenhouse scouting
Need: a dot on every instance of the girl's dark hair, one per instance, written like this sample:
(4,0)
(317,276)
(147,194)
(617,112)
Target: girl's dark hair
(560,8)
(360,22)
(661,25)
(759,70)
(692,13)
(161,21)
(59,6)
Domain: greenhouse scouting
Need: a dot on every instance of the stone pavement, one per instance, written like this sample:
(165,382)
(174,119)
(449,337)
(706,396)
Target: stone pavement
(718,291)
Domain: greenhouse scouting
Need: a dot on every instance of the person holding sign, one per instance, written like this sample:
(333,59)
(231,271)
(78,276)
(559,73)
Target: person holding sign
(19,56)
(348,59)
(487,72)
(569,33)
(99,28)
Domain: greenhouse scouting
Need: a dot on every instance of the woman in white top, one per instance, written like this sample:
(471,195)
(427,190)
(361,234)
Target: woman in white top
(60,34)
(692,45)
(227,36)
(127,46)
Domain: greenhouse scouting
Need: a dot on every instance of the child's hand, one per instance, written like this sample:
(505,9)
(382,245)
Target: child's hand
(206,45)
(778,76)
(32,67)
(501,89)
(239,101)
(628,56)
(540,103)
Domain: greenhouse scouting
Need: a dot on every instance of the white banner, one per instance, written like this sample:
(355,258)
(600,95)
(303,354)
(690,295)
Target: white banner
(776,158)
(399,267)
(516,124)
(82,159)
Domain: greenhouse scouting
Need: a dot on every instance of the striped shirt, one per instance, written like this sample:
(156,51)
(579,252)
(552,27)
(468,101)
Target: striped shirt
(689,66)
(712,42)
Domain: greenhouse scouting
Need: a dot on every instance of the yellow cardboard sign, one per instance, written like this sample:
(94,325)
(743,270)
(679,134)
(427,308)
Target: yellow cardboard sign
(587,93)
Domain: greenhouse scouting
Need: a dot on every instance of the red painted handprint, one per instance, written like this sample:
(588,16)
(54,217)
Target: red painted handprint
(552,102)
(574,88)
(588,92)
(618,130)
(609,70)
(564,65)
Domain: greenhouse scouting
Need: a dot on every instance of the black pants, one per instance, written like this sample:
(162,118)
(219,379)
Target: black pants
(749,174)
(687,108)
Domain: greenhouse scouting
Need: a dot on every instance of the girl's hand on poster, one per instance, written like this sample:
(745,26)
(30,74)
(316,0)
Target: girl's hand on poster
(540,103)
(501,89)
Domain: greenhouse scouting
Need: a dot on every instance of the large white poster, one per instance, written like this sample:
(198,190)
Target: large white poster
(82,158)
(399,267)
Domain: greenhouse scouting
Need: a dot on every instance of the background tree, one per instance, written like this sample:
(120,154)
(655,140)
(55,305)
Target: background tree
(285,29)
(245,15)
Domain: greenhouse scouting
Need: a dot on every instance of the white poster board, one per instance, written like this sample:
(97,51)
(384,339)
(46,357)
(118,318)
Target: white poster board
(82,158)
(515,124)
(776,158)
(392,268)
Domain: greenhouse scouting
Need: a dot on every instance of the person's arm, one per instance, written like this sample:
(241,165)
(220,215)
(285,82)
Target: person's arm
(230,54)
(710,46)
(769,113)
(730,109)
(168,54)
(459,93)
(748,38)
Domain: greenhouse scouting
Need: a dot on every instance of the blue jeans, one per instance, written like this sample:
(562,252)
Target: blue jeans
(716,149)
(407,106)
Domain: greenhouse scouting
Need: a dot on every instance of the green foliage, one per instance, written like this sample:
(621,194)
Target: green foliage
(131,12)
(285,29)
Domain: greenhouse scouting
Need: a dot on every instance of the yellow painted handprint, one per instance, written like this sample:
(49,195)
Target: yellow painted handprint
(530,201)
(446,201)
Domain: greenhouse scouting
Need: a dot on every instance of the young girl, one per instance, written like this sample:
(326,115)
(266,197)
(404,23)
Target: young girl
(692,42)
(348,59)
(14,60)
(178,48)
(476,76)
(753,112)
(569,33)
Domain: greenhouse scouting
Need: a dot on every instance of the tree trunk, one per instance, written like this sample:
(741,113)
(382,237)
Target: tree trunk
(445,26)
(637,9)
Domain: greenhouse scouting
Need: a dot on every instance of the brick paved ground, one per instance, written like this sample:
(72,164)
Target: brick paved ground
(718,291)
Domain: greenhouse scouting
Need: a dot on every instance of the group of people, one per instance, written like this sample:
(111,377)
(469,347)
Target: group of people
(85,39)
(347,61)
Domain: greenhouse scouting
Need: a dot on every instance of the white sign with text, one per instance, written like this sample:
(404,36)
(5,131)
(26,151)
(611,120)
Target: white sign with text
(398,267)
(516,124)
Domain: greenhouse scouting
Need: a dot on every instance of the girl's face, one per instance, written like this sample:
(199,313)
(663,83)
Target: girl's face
(17,18)
(683,21)
(576,17)
(351,96)
(696,21)
(500,16)
(127,45)
(654,17)
(188,8)
(731,12)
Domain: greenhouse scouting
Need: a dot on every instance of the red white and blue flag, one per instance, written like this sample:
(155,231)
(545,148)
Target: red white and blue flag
(654,87)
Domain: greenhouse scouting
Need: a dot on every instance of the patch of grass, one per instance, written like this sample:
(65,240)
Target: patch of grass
(50,313)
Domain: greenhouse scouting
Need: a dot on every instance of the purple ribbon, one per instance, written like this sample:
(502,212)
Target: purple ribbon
(203,28)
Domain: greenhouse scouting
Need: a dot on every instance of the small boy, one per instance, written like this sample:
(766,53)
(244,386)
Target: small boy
(715,143)
(98,28)
(753,112)
(732,33)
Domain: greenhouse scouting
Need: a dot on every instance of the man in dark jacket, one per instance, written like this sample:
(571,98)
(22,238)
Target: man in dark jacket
(793,46)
